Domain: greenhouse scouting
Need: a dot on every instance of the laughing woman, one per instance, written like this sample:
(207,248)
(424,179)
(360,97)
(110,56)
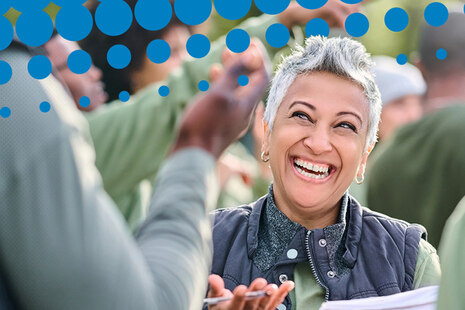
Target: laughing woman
(321,122)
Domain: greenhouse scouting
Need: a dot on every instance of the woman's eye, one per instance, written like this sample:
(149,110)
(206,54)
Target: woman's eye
(348,126)
(301,115)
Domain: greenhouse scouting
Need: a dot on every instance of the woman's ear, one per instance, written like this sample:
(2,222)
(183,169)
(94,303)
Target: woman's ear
(266,138)
(363,163)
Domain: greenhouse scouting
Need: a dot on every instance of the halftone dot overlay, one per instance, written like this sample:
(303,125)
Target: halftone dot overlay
(30,5)
(65,3)
(203,85)
(272,7)
(312,4)
(113,17)
(5,72)
(158,51)
(441,54)
(198,46)
(74,22)
(39,67)
(277,35)
(436,14)
(357,24)
(401,59)
(243,80)
(84,101)
(351,1)
(317,26)
(5,112)
(5,5)
(192,12)
(396,19)
(124,96)
(34,28)
(237,40)
(119,56)
(164,91)
(153,15)
(79,62)
(44,107)
(232,9)
(7,32)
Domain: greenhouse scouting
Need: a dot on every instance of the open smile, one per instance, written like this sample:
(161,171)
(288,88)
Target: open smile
(311,171)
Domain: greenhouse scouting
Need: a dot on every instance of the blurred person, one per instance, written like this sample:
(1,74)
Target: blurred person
(418,176)
(62,243)
(321,121)
(452,253)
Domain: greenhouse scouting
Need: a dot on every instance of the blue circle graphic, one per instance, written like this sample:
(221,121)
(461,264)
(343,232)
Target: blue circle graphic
(237,40)
(30,5)
(441,54)
(243,80)
(5,112)
(74,22)
(277,35)
(198,46)
(113,17)
(44,106)
(5,6)
(34,28)
(79,62)
(203,85)
(5,72)
(401,59)
(39,67)
(124,96)
(153,15)
(84,101)
(66,3)
(193,12)
(312,4)
(317,26)
(272,7)
(164,91)
(7,32)
(351,1)
(357,24)
(119,56)
(232,9)
(396,19)
(436,14)
(158,51)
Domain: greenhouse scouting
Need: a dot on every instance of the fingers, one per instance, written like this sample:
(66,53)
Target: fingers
(279,295)
(256,285)
(216,286)
(238,300)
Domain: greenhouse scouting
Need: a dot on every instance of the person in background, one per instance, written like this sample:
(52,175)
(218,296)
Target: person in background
(419,174)
(401,88)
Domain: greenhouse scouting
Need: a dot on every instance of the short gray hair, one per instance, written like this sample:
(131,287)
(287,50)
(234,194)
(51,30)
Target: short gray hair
(342,56)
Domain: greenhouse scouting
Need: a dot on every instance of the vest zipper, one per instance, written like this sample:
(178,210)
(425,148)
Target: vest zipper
(307,244)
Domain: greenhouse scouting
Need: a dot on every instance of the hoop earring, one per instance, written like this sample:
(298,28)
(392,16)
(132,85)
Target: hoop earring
(262,156)
(360,181)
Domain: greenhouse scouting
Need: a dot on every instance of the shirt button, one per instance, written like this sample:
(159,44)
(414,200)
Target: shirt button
(281,307)
(292,253)
(322,243)
(282,278)
(331,274)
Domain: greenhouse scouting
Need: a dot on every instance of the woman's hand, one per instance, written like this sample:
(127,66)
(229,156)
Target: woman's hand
(274,297)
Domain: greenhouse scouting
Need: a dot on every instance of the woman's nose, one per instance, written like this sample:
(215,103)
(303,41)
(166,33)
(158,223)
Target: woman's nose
(318,141)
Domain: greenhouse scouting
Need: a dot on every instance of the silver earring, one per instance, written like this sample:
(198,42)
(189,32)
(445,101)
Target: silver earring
(262,156)
(359,181)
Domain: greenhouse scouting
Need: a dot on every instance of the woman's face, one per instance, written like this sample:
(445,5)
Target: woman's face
(316,146)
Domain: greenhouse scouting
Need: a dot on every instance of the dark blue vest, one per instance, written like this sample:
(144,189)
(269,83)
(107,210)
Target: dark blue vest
(378,254)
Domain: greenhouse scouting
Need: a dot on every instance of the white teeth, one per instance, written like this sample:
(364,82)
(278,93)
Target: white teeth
(311,175)
(311,166)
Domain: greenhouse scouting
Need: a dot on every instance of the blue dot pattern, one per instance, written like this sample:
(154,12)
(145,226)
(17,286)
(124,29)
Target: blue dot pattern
(158,51)
(113,17)
(79,62)
(34,28)
(312,4)
(401,59)
(277,35)
(153,15)
(243,80)
(7,32)
(84,101)
(357,24)
(118,56)
(351,1)
(124,96)
(198,46)
(317,26)
(192,12)
(396,19)
(232,9)
(5,72)
(44,107)
(66,3)
(436,14)
(30,5)
(441,54)
(237,40)
(164,91)
(74,22)
(39,67)
(5,112)
(272,7)
(5,5)
(204,85)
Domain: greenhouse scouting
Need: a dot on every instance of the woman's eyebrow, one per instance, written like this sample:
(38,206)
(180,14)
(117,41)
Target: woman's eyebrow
(351,113)
(310,106)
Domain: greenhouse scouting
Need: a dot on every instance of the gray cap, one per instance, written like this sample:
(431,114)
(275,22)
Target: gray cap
(395,81)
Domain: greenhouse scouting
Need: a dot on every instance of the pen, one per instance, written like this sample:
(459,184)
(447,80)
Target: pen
(248,296)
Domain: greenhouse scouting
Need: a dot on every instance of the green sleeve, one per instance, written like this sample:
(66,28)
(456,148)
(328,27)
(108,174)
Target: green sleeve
(428,269)
(131,139)
(452,251)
